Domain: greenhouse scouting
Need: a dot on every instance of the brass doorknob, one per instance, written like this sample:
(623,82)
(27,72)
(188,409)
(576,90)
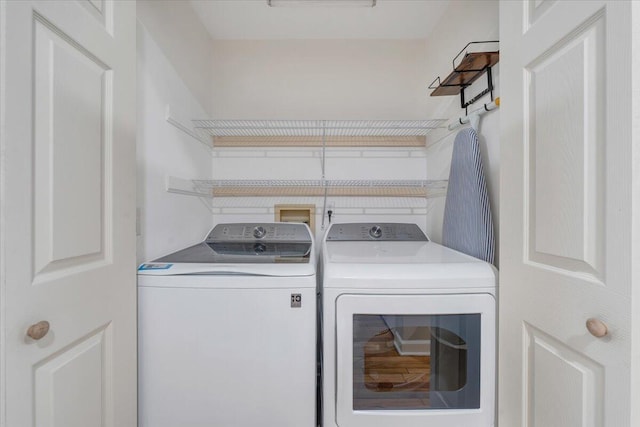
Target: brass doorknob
(597,327)
(38,330)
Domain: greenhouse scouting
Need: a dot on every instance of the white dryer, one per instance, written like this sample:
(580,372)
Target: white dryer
(408,328)
(227,330)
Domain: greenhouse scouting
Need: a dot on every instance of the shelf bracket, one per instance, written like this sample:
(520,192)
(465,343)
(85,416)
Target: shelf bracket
(465,104)
(469,69)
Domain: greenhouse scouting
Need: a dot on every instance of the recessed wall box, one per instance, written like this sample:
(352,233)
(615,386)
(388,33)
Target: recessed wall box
(296,213)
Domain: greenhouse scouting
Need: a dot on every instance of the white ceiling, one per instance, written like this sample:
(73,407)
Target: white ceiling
(255,20)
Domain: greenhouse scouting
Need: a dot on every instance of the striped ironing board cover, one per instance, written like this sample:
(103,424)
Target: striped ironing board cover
(468,225)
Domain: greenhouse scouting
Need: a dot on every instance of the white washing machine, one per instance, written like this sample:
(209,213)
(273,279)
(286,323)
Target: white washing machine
(409,331)
(227,330)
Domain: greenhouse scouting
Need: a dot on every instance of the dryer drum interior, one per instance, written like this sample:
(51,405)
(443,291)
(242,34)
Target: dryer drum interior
(416,361)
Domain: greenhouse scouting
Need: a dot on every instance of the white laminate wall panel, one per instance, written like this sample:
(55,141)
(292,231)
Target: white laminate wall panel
(168,222)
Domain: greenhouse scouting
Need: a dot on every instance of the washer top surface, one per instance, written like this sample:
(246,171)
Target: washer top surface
(375,262)
(273,249)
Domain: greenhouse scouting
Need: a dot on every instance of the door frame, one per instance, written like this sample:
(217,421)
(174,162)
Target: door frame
(635,207)
(3,346)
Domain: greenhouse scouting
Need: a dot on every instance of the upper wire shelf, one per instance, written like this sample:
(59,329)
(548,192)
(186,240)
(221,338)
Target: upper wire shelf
(313,133)
(353,188)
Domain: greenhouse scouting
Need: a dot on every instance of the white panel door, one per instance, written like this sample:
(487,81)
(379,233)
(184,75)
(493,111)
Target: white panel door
(566,218)
(68,213)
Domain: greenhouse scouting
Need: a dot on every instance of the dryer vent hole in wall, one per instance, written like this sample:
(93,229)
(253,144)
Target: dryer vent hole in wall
(296,213)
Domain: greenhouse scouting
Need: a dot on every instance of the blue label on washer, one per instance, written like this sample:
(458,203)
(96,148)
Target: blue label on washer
(154,267)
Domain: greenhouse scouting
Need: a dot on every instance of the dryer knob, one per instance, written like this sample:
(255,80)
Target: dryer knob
(259,232)
(375,232)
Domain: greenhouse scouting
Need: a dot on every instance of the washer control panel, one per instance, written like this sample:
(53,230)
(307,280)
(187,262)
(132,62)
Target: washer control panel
(376,231)
(267,232)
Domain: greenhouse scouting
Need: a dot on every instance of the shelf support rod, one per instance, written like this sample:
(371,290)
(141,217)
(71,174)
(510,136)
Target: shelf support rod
(324,146)
(324,203)
(324,181)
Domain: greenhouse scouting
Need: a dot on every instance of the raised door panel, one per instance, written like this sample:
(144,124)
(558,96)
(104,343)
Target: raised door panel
(73,387)
(72,142)
(535,9)
(102,11)
(565,160)
(559,380)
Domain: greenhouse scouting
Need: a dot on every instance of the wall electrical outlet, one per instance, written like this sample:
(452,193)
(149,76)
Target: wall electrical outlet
(331,210)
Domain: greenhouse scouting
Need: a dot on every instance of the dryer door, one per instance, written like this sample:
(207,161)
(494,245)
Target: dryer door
(415,360)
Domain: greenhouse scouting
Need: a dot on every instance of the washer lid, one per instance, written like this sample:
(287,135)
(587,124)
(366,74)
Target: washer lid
(243,248)
(241,253)
(249,243)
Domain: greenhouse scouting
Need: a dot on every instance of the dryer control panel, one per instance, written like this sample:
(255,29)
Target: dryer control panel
(400,232)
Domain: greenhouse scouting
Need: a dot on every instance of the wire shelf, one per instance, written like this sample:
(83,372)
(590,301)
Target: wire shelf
(346,133)
(310,188)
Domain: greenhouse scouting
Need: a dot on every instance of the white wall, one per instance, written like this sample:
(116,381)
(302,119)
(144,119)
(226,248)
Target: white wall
(167,221)
(321,79)
(185,43)
(463,22)
(341,164)
(353,79)
(332,79)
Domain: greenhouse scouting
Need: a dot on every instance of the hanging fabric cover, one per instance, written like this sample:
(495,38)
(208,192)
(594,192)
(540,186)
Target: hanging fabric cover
(468,226)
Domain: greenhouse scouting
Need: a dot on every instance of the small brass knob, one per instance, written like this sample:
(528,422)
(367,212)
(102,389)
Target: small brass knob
(597,327)
(38,330)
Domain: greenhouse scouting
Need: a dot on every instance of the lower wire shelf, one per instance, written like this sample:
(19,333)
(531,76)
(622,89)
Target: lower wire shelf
(315,188)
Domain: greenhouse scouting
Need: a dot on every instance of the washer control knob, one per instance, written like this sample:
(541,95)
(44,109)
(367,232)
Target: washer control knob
(375,232)
(259,232)
(259,248)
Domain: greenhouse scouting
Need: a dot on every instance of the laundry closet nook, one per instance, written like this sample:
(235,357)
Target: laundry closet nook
(355,71)
(353,212)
